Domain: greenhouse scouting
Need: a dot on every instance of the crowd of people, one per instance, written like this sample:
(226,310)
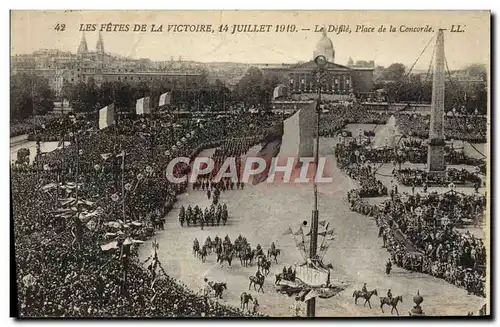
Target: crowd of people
(30,125)
(420,233)
(354,164)
(452,176)
(472,128)
(79,220)
(420,230)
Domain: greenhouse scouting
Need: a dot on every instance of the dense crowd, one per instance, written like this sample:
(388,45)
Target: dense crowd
(472,128)
(419,232)
(453,176)
(75,237)
(356,167)
(30,125)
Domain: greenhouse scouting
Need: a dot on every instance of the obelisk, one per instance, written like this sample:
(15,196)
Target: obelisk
(435,156)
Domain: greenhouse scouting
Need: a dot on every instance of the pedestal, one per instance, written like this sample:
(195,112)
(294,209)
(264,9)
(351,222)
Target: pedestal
(435,159)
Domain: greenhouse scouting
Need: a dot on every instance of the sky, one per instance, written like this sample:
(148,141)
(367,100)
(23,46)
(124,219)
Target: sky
(33,30)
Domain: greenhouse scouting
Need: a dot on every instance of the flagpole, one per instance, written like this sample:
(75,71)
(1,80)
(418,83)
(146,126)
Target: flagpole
(320,62)
(123,184)
(151,130)
(78,221)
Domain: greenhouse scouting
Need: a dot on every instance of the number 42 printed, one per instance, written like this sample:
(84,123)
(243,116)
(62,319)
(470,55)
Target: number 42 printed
(60,27)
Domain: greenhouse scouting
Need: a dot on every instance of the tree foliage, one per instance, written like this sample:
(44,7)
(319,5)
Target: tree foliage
(395,72)
(29,95)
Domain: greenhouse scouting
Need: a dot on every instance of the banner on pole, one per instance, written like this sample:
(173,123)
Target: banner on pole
(106,116)
(142,106)
(165,99)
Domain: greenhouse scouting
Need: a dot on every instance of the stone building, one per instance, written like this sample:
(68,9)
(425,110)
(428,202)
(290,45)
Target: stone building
(64,67)
(340,82)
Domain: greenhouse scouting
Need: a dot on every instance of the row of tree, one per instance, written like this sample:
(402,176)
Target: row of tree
(396,86)
(29,94)
(88,97)
(32,94)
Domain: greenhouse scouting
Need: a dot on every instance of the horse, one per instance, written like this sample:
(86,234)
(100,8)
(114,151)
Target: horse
(275,253)
(393,302)
(196,249)
(208,244)
(256,281)
(279,277)
(225,257)
(246,257)
(265,265)
(245,298)
(203,253)
(357,294)
(218,288)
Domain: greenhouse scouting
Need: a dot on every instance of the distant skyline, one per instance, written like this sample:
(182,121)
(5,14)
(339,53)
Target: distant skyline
(34,30)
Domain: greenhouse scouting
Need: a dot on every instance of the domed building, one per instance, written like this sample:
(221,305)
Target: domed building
(339,82)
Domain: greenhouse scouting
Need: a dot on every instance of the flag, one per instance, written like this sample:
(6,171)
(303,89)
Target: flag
(279,91)
(311,294)
(105,156)
(110,246)
(165,99)
(288,232)
(322,223)
(299,232)
(142,106)
(106,116)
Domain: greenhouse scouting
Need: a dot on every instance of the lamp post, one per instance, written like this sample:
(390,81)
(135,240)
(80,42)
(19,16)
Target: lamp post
(321,62)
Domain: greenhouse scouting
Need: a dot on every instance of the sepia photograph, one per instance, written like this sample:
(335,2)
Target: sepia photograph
(250,164)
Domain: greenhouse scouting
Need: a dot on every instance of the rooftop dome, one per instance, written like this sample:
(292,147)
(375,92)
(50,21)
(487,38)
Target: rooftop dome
(325,47)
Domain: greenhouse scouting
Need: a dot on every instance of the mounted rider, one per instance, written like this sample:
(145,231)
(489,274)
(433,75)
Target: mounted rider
(259,250)
(258,275)
(364,289)
(255,305)
(389,294)
(273,247)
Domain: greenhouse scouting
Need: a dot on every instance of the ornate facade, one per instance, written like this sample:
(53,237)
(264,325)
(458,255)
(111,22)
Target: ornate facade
(338,81)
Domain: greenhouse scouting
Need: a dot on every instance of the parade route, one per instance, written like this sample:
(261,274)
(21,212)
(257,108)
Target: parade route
(263,212)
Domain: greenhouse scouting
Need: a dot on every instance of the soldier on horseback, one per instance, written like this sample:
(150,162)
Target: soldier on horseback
(259,250)
(364,289)
(258,275)
(255,305)
(389,294)
(273,247)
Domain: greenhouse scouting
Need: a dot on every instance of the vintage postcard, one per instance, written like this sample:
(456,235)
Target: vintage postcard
(250,163)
